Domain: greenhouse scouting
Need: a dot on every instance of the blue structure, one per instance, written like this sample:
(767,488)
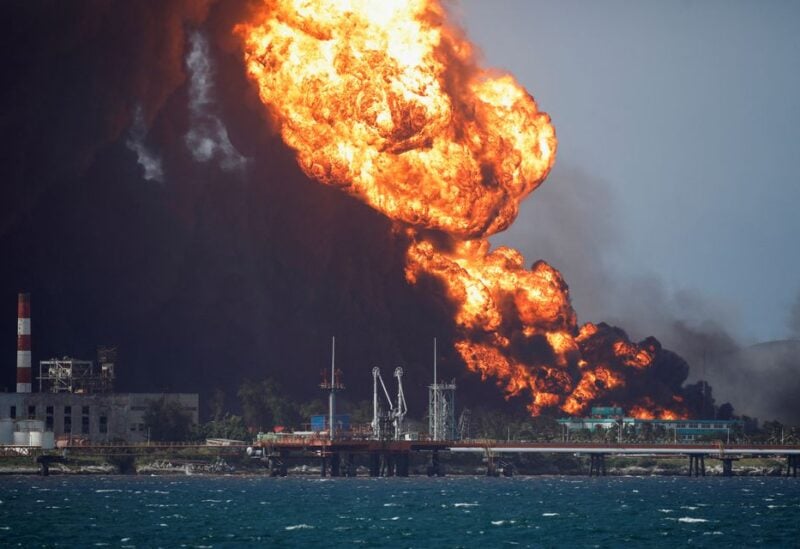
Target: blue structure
(320,422)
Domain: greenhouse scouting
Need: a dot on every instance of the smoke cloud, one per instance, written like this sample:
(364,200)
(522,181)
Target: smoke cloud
(207,138)
(580,238)
(148,160)
(222,275)
(241,266)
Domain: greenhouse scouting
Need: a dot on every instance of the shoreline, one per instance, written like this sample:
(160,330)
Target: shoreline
(219,467)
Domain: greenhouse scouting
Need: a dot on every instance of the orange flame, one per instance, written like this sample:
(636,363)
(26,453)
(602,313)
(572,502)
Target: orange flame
(385,100)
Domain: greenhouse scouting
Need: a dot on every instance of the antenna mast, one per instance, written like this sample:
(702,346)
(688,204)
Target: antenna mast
(332,398)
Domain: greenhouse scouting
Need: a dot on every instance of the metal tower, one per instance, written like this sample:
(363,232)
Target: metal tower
(334,386)
(441,406)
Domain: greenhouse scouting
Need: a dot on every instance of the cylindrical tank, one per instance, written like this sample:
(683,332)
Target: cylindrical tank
(35,439)
(21,438)
(48,440)
(6,431)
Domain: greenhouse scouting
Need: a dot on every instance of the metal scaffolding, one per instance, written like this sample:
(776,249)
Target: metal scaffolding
(441,406)
(442,410)
(70,375)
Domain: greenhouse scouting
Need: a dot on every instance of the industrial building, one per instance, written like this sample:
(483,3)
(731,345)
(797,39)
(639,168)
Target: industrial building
(91,418)
(76,402)
(683,430)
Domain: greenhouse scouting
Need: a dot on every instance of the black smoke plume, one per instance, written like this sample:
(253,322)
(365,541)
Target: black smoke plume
(147,202)
(205,271)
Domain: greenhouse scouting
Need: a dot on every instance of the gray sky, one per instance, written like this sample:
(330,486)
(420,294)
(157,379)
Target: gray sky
(681,122)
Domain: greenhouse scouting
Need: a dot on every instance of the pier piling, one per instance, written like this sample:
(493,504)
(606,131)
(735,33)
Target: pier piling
(374,464)
(697,465)
(597,464)
(727,467)
(792,461)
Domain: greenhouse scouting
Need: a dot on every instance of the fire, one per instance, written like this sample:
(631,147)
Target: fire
(364,92)
(387,101)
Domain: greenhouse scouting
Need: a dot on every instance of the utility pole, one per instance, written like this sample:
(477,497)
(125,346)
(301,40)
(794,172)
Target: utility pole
(332,397)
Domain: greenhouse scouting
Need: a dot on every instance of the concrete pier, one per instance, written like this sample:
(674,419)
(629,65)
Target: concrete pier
(393,457)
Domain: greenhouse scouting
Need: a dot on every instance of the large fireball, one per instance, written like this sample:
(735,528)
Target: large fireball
(385,99)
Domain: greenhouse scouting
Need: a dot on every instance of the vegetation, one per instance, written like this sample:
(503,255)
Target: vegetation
(165,421)
(228,426)
(264,405)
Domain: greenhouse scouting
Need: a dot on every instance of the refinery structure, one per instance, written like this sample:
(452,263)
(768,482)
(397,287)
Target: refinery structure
(76,407)
(75,403)
(390,447)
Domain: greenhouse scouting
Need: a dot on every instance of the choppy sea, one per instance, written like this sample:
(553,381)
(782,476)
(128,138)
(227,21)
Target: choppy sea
(219,511)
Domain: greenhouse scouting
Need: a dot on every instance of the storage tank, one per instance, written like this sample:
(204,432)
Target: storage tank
(22,438)
(35,439)
(6,431)
(48,440)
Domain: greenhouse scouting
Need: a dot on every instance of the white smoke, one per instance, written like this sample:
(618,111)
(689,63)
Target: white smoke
(207,138)
(147,159)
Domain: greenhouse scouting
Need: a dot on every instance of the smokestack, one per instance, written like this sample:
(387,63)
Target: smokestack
(24,343)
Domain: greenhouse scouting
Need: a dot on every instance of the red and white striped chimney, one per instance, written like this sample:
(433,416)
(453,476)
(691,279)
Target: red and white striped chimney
(24,343)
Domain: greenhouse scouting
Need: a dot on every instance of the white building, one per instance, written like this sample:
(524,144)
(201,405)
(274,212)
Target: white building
(93,417)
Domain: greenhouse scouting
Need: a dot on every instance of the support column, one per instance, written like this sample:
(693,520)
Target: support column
(727,467)
(389,461)
(323,469)
(283,468)
(276,465)
(435,467)
(374,464)
(403,461)
(336,462)
(350,466)
(597,464)
(791,465)
(697,464)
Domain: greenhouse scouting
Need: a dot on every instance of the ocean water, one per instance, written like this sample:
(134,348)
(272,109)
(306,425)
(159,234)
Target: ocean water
(232,511)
